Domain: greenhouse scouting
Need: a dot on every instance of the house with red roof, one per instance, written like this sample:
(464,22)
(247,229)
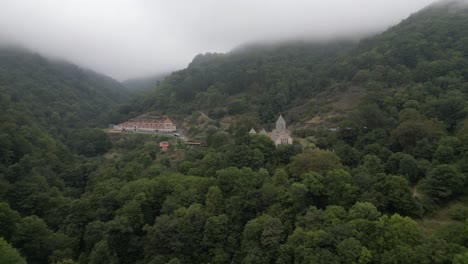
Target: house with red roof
(164,145)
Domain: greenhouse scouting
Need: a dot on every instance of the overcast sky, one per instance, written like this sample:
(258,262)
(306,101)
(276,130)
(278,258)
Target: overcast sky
(129,38)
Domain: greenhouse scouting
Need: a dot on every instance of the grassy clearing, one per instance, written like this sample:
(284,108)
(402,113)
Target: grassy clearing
(442,217)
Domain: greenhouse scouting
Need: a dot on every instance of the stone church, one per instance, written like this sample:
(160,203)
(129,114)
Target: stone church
(279,135)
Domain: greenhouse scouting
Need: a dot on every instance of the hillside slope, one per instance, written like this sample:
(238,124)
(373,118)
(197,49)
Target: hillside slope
(48,110)
(263,80)
(56,90)
(309,79)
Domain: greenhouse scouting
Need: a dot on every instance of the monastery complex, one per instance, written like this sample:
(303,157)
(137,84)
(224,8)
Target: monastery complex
(279,135)
(147,125)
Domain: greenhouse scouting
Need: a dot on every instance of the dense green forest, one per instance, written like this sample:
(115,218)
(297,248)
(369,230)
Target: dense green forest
(48,113)
(258,79)
(387,185)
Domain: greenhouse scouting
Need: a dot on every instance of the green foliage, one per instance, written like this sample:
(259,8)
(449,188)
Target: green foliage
(408,167)
(33,237)
(238,107)
(410,133)
(459,212)
(372,164)
(365,211)
(8,219)
(261,238)
(313,160)
(89,142)
(214,201)
(444,154)
(269,77)
(102,254)
(70,193)
(461,258)
(8,254)
(443,182)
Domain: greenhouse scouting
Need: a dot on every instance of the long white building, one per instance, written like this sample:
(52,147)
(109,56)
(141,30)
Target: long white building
(147,125)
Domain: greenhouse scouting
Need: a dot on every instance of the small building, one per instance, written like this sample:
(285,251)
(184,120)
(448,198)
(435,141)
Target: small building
(164,145)
(193,144)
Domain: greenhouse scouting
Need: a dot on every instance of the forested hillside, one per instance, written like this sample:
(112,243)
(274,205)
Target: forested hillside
(429,48)
(263,80)
(56,90)
(363,192)
(48,112)
(53,96)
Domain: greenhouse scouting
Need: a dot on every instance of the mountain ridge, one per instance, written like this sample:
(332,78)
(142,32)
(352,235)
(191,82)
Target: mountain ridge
(301,74)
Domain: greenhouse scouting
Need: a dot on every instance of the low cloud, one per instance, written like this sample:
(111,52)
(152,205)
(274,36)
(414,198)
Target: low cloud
(126,38)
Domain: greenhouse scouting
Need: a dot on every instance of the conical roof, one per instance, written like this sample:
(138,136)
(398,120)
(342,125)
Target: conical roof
(281,119)
(252,131)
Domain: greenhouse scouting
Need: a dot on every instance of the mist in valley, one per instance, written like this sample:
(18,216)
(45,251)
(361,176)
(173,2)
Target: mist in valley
(126,39)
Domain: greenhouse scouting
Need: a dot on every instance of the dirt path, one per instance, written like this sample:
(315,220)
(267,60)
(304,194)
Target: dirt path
(415,192)
(206,117)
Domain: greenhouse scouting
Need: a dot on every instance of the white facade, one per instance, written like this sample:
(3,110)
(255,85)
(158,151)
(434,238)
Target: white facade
(142,125)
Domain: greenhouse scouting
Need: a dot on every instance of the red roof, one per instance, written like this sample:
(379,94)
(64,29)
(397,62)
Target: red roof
(163,144)
(147,122)
(192,143)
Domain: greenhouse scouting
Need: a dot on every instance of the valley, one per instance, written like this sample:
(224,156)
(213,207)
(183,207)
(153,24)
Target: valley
(296,152)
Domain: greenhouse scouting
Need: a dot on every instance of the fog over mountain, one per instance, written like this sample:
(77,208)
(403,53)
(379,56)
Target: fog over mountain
(127,38)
